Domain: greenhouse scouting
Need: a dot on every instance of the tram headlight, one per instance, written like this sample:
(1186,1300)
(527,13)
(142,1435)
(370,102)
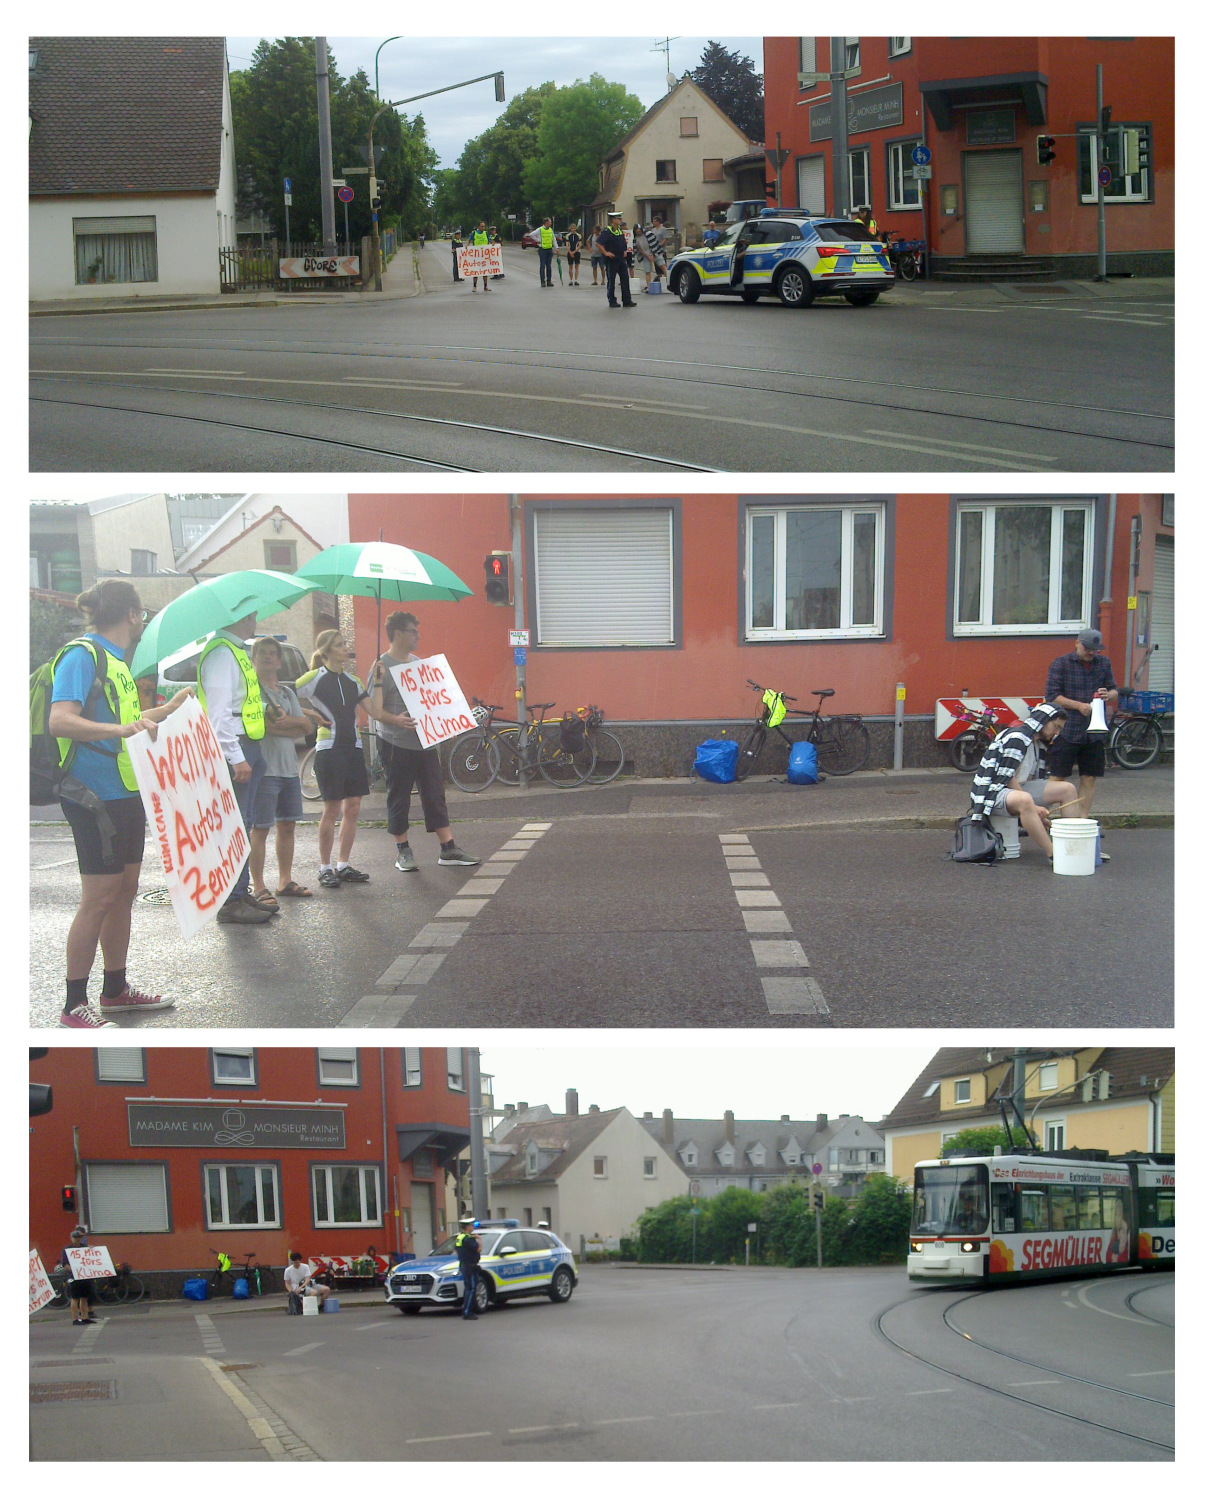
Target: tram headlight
(968,1247)
(915,1247)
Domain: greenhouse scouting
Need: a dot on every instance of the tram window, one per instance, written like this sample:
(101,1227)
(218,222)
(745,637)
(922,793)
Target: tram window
(950,1199)
(1113,1204)
(1063,1207)
(1166,1210)
(1003,1209)
(1088,1208)
(1034,1211)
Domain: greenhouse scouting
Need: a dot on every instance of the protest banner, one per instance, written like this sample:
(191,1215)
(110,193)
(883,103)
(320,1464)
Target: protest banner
(40,1290)
(89,1262)
(480,260)
(191,809)
(433,699)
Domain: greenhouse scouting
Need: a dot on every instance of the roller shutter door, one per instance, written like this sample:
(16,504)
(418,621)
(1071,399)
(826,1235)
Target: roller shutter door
(810,184)
(127,1199)
(994,202)
(604,577)
(1160,666)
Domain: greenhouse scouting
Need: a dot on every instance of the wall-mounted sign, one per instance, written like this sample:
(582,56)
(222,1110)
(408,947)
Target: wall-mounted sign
(238,1128)
(314,265)
(990,127)
(875,109)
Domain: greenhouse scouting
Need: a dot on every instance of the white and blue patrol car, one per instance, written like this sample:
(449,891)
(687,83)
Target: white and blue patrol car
(795,258)
(516,1262)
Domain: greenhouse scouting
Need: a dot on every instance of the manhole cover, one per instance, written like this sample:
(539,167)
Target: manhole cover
(77,1390)
(156,898)
(239,1367)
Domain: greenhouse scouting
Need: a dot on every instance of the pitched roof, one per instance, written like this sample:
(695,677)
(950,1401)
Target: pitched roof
(568,1135)
(709,1135)
(1134,1072)
(654,109)
(126,114)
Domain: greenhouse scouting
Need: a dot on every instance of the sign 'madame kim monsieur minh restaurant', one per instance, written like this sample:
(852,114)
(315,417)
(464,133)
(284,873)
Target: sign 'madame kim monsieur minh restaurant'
(311,1127)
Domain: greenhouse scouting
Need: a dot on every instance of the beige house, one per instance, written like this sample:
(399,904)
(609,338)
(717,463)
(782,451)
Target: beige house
(672,162)
(72,543)
(1113,1099)
(588,1176)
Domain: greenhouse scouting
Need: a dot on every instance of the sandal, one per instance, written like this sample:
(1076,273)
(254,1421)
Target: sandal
(266,899)
(293,889)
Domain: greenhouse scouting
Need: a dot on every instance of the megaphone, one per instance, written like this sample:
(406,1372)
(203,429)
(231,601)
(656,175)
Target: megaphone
(1098,728)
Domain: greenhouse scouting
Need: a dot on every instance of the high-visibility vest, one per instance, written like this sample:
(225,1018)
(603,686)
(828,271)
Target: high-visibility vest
(547,237)
(480,237)
(121,694)
(253,703)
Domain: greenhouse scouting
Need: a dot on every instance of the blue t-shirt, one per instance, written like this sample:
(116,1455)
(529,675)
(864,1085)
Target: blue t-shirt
(72,682)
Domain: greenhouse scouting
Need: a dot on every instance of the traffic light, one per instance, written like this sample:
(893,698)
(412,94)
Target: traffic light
(69,1199)
(1130,151)
(500,93)
(375,204)
(41,1098)
(498,578)
(817,1198)
(1045,148)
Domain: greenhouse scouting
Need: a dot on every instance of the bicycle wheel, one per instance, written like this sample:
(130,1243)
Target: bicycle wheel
(309,782)
(907,265)
(843,746)
(966,750)
(473,763)
(1136,743)
(750,751)
(564,768)
(505,744)
(609,757)
(134,1289)
(109,1291)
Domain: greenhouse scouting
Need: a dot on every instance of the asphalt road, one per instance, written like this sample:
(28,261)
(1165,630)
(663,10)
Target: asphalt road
(1041,380)
(662,917)
(640,1365)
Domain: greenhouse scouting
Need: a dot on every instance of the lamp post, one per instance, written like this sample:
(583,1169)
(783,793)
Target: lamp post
(377,63)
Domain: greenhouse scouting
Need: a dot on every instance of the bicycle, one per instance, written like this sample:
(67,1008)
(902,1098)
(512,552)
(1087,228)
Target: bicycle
(261,1280)
(609,753)
(905,255)
(487,754)
(1136,738)
(967,749)
(843,744)
(120,1288)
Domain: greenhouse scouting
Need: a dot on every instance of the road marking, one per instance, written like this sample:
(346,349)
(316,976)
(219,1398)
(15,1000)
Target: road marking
(1041,458)
(747,879)
(202,374)
(378,1010)
(1146,1374)
(551,1427)
(1115,318)
(616,1421)
(276,1438)
(941,1391)
(786,995)
(404,385)
(480,887)
(734,838)
(718,1411)
(794,997)
(303,1349)
(1018,1384)
(757,898)
(732,862)
(639,403)
(1082,1296)
(451,1437)
(411,968)
(211,1340)
(778,955)
(766,921)
(376,1326)
(439,935)
(457,908)
(795,1405)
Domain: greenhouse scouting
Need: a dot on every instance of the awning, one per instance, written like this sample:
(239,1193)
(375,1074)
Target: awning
(1030,89)
(447,1141)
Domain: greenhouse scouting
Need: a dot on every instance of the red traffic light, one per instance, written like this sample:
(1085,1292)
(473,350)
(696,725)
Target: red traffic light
(69,1198)
(498,578)
(1045,149)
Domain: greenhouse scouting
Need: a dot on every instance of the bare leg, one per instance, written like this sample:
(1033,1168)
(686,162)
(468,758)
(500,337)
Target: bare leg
(326,831)
(347,828)
(284,852)
(100,893)
(1088,786)
(1059,795)
(1021,805)
(259,842)
(115,930)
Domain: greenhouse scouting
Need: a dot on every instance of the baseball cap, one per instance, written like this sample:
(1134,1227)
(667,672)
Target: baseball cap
(1090,639)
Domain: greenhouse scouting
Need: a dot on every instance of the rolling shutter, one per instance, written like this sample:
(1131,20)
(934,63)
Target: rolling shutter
(604,577)
(127,1199)
(1160,664)
(120,1065)
(994,202)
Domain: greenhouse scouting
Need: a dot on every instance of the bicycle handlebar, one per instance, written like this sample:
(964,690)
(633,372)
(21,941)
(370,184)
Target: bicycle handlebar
(758,688)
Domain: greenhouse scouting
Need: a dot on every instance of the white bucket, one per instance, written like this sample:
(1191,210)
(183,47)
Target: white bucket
(310,1306)
(1075,841)
(1007,827)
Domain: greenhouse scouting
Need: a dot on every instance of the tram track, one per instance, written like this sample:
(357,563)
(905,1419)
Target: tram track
(997,1388)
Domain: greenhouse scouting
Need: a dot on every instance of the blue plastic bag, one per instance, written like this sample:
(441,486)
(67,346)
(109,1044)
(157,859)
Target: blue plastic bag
(196,1289)
(716,760)
(802,764)
(241,1290)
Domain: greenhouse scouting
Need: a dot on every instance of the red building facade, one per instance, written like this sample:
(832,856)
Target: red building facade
(659,608)
(979,104)
(175,1153)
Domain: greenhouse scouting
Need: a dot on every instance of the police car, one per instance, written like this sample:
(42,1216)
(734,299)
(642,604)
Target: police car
(516,1262)
(792,257)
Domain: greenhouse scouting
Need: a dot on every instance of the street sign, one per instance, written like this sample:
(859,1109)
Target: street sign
(521,638)
(1105,176)
(288,200)
(922,173)
(346,194)
(776,158)
(354,171)
(521,655)
(338,182)
(695,1188)
(922,155)
(816,1169)
(288,185)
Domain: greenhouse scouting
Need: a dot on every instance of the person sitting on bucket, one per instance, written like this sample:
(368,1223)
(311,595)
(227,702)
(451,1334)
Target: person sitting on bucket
(299,1279)
(1011,779)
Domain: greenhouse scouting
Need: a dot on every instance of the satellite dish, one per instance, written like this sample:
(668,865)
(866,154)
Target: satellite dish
(671,80)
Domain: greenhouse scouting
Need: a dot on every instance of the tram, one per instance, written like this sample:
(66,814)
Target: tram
(1012,1218)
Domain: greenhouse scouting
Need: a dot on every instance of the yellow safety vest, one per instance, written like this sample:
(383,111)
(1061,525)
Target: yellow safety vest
(121,692)
(253,703)
(480,237)
(546,238)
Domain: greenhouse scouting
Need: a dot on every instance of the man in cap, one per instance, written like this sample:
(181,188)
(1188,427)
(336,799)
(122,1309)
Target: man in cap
(79,1292)
(1073,681)
(469,1254)
(613,247)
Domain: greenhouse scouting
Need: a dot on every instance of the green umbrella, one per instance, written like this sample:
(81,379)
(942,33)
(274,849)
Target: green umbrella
(213,604)
(383,570)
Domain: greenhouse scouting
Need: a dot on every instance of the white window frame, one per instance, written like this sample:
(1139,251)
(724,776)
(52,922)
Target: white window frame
(901,181)
(1138,184)
(989,509)
(806,54)
(225,1221)
(854,53)
(961,1083)
(325,1169)
(899,45)
(1048,1071)
(128,1055)
(339,1055)
(531,1161)
(650,1167)
(412,1067)
(726,1155)
(845,630)
(863,196)
(1053,1129)
(241,1052)
(96,1212)
(600,1167)
(456,1069)
(689,1158)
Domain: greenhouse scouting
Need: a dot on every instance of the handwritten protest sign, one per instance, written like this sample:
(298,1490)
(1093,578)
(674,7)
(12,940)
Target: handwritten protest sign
(480,260)
(191,809)
(40,1290)
(433,699)
(89,1262)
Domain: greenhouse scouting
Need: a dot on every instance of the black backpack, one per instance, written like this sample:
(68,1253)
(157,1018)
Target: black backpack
(50,778)
(976,842)
(573,734)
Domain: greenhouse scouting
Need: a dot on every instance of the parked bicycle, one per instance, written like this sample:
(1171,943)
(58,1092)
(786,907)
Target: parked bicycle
(1136,738)
(905,255)
(261,1280)
(488,753)
(120,1288)
(843,744)
(967,749)
(609,753)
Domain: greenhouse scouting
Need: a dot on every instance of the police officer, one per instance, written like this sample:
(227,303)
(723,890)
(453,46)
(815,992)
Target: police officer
(548,243)
(469,1254)
(613,246)
(457,244)
(229,692)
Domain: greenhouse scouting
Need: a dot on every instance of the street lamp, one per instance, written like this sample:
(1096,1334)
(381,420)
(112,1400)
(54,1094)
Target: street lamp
(376,64)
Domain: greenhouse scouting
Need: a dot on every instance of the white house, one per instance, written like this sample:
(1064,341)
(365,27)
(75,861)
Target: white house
(131,166)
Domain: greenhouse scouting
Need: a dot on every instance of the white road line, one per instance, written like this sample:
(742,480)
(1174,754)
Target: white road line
(616,1421)
(1082,1296)
(792,1405)
(1041,458)
(456,908)
(1114,318)
(1017,1385)
(766,921)
(941,1391)
(794,997)
(778,954)
(439,935)
(378,1010)
(480,887)
(731,861)
(376,1326)
(303,1349)
(202,374)
(451,1437)
(551,1427)
(1147,1374)
(747,879)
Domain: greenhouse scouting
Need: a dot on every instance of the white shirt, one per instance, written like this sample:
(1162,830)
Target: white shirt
(225,692)
(297,1275)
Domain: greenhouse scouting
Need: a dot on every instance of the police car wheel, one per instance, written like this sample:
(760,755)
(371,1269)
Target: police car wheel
(688,285)
(794,287)
(749,296)
(481,1295)
(861,299)
(561,1288)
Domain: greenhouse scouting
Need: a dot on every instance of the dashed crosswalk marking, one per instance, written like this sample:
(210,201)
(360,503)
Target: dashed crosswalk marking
(786,993)
(211,1339)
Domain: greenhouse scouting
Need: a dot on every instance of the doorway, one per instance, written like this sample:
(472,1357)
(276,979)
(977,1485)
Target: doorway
(995,208)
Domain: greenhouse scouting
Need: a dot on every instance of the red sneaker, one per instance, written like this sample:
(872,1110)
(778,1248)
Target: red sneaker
(133,1000)
(85,1017)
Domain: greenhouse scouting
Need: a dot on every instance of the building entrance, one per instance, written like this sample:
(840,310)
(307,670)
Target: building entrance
(995,205)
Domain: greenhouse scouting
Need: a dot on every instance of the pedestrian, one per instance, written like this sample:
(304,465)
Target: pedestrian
(481,237)
(339,755)
(643,253)
(496,239)
(613,248)
(710,235)
(655,236)
(278,802)
(406,762)
(299,1279)
(469,1254)
(457,244)
(863,215)
(1012,776)
(546,250)
(149,695)
(573,253)
(1073,681)
(229,692)
(598,266)
(109,830)
(79,1291)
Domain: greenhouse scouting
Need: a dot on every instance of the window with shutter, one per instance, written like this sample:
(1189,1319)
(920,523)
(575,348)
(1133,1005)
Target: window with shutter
(121,1065)
(605,577)
(128,1198)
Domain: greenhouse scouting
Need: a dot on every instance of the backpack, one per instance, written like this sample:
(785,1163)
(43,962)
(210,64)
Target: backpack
(802,764)
(976,842)
(573,734)
(50,779)
(716,760)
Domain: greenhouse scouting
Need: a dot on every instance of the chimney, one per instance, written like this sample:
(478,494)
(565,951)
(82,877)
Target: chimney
(784,1119)
(822,1121)
(593,1110)
(668,1127)
(522,1106)
(728,1126)
(571,1101)
(648,1115)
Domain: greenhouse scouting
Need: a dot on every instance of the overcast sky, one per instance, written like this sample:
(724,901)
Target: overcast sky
(702,1078)
(414,64)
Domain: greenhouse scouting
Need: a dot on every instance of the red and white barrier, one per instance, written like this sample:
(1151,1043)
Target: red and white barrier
(948,725)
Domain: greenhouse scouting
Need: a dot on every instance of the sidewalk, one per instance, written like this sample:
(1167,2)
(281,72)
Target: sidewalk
(179,1309)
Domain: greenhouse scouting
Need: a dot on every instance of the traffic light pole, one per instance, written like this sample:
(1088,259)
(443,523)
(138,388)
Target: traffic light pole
(521,669)
(1101,227)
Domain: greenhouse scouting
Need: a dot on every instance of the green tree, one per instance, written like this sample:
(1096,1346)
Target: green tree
(873,1229)
(733,84)
(724,1224)
(579,125)
(664,1232)
(983,1139)
(488,180)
